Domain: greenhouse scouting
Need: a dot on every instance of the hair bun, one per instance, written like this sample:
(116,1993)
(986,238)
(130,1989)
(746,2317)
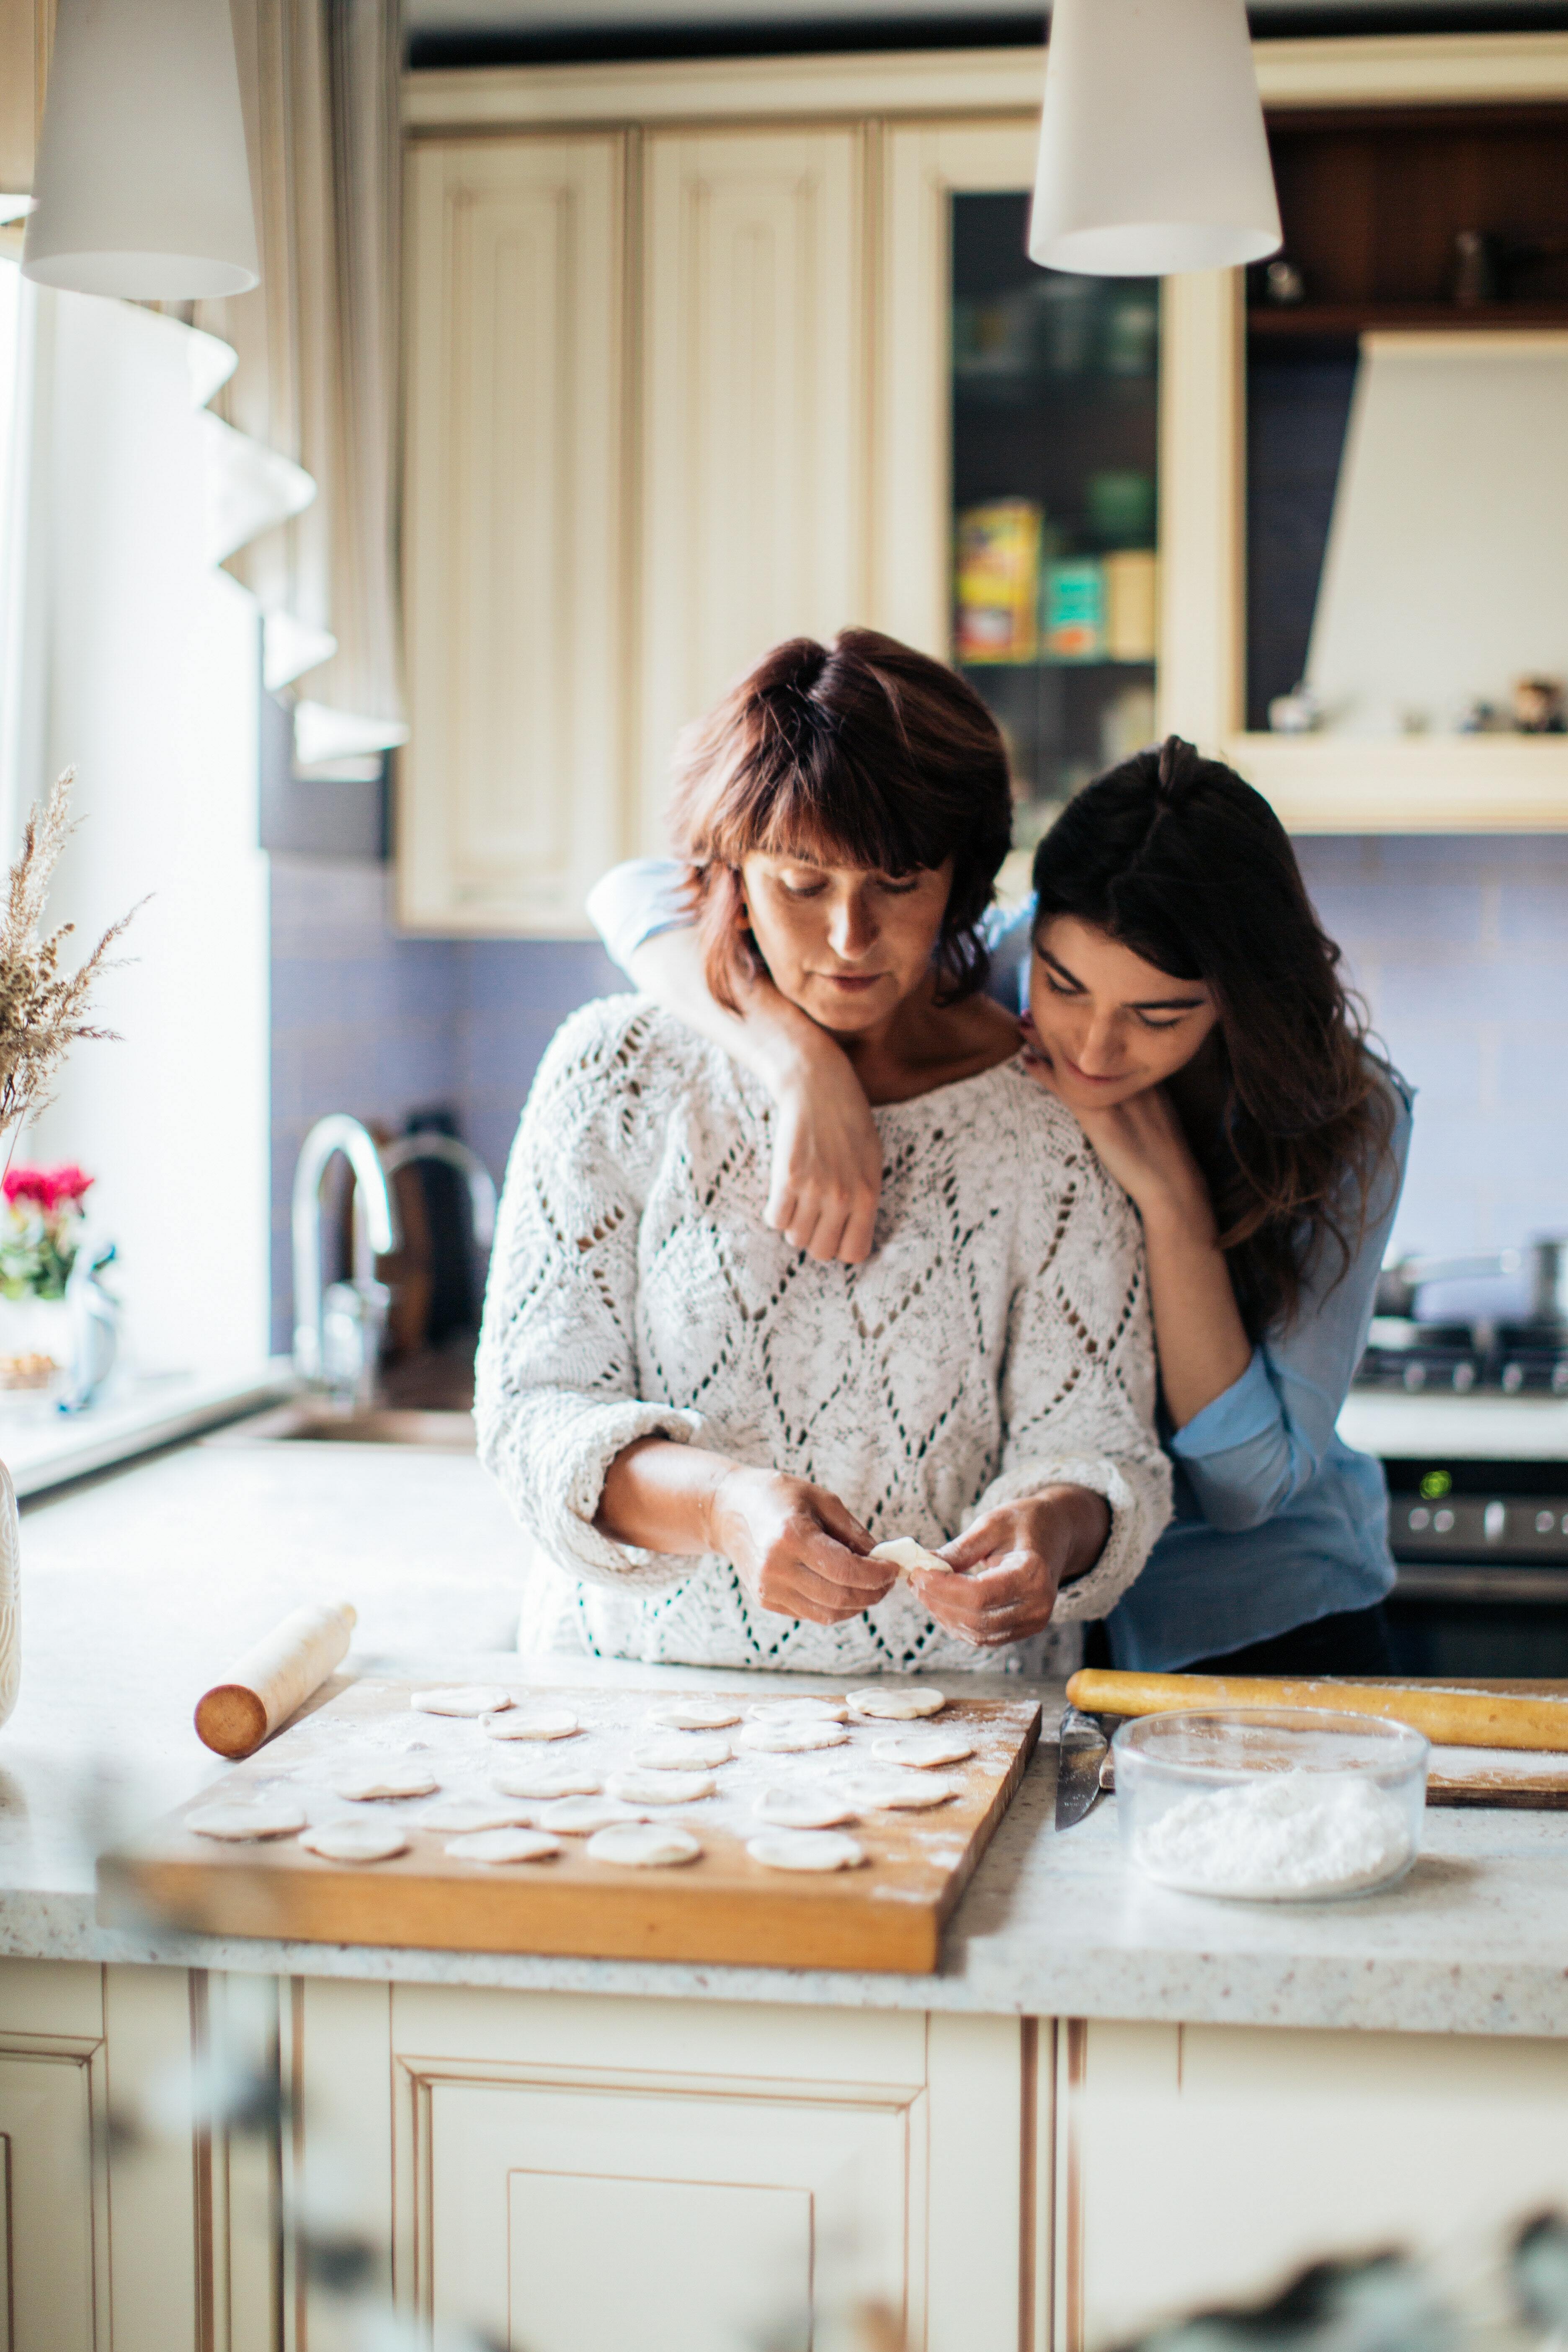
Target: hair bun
(1179,768)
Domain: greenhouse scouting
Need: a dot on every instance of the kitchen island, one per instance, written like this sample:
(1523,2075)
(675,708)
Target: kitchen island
(1108,2103)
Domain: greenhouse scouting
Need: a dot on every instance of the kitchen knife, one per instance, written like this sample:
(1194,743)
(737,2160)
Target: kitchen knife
(1081,1750)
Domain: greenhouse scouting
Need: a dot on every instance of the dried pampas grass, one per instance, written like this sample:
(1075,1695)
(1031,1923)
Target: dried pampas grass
(43,1007)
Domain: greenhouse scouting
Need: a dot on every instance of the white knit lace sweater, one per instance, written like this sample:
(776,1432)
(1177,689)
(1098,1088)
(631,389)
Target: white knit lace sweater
(997,1340)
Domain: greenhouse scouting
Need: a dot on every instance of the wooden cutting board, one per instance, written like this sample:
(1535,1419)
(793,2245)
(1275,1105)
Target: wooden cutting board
(723,1907)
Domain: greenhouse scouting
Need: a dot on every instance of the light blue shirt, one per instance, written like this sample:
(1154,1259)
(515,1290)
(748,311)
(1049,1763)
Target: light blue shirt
(1277,1521)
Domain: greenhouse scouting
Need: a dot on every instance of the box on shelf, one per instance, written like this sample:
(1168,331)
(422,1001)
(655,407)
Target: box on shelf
(997,569)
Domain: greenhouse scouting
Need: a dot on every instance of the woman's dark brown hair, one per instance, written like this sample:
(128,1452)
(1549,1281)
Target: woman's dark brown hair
(862,752)
(1179,860)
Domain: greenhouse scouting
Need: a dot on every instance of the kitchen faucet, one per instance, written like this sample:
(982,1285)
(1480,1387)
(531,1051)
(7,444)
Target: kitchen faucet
(336,1335)
(429,1143)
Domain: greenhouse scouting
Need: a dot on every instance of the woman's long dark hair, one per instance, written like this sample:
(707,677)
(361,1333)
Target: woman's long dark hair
(1179,860)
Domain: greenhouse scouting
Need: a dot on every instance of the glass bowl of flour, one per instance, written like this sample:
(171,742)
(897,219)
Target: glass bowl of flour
(1271,1804)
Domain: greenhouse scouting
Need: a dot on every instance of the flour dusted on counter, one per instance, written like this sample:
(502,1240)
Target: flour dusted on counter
(1277,1836)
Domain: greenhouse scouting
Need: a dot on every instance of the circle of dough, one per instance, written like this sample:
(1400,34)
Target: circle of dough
(805,1850)
(643,1845)
(234,1820)
(791,1739)
(694,1715)
(462,1698)
(805,1707)
(542,1780)
(504,1845)
(355,1840)
(662,1788)
(803,1809)
(681,1751)
(581,1816)
(897,1702)
(466,1816)
(392,1778)
(531,1723)
(893,1788)
(923,1749)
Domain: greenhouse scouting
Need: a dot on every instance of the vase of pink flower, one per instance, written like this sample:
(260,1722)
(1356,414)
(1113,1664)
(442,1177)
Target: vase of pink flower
(42,1220)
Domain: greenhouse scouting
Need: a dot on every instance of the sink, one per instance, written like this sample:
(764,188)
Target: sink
(312,1420)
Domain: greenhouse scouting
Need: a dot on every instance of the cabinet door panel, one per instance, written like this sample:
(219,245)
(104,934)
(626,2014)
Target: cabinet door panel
(511,785)
(688,2258)
(925,164)
(45,2144)
(560,2216)
(1200,2164)
(754,507)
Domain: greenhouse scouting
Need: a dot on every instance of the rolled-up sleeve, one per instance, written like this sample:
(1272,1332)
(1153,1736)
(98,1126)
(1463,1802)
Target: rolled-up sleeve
(1254,1447)
(635,902)
(556,1376)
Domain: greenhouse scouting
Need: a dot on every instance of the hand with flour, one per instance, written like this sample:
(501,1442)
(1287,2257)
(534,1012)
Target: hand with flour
(798,1549)
(1003,1573)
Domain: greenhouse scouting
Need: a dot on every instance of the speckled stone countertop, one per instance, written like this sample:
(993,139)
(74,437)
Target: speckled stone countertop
(140,1588)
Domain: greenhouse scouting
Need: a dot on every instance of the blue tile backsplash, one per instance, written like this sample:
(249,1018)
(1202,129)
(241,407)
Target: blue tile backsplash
(1459,944)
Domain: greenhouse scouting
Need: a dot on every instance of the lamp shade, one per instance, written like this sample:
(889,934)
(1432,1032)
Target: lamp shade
(142,187)
(1152,157)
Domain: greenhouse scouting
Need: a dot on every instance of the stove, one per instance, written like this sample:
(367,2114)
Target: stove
(1461,1358)
(1480,1550)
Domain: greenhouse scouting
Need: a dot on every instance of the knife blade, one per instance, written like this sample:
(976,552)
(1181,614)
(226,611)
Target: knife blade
(1081,1748)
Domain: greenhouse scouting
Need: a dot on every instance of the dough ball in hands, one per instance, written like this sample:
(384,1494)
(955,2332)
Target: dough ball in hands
(910,1558)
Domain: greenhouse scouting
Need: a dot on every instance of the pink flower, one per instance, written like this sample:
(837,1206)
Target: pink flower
(49,1187)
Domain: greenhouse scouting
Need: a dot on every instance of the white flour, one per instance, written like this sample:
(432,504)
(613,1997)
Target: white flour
(1277,1836)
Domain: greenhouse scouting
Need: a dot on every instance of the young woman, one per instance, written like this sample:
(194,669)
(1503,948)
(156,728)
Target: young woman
(707,1431)
(1184,1003)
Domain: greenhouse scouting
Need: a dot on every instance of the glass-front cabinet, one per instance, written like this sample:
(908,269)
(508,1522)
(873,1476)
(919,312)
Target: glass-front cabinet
(1054,409)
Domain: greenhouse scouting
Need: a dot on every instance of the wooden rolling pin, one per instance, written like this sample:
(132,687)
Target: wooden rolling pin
(1450,1718)
(274,1677)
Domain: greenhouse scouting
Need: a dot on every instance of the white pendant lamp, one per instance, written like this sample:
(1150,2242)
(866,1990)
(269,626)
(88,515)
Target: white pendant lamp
(142,187)
(1152,157)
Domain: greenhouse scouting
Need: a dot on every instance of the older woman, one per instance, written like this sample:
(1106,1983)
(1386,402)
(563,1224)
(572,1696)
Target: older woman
(707,1430)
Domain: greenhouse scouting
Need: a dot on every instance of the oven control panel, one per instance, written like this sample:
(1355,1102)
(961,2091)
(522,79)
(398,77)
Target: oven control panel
(1479,1530)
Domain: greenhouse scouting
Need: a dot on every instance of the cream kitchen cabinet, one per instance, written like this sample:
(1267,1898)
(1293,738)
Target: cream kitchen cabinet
(679,384)
(1207,2164)
(754,514)
(570,2171)
(517,550)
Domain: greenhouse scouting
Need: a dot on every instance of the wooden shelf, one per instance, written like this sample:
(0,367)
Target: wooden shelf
(1424,783)
(1357,318)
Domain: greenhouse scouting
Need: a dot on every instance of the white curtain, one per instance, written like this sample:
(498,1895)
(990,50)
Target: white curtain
(140,660)
(317,376)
